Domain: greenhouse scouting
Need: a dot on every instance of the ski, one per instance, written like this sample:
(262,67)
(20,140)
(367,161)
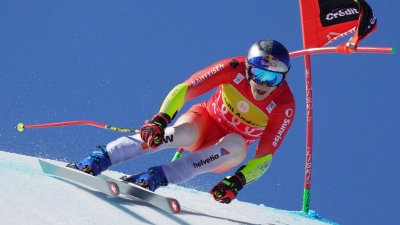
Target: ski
(107,187)
(170,205)
(110,186)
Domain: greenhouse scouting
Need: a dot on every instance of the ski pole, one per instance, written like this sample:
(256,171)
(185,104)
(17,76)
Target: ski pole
(21,127)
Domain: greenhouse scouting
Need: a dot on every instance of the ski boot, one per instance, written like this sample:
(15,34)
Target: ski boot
(150,180)
(97,162)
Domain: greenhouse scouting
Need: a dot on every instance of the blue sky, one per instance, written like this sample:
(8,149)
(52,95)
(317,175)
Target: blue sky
(114,63)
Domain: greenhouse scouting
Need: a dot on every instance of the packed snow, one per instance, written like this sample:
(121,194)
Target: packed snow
(29,196)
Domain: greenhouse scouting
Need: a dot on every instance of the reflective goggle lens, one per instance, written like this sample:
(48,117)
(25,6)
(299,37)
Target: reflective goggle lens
(271,78)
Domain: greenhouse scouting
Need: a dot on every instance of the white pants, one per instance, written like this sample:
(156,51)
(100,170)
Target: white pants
(227,153)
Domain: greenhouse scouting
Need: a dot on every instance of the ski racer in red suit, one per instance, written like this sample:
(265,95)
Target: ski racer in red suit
(252,102)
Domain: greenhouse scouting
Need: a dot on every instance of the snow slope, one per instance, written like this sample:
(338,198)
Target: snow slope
(28,196)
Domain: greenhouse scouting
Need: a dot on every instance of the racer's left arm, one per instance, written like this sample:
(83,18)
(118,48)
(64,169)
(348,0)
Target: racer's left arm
(270,140)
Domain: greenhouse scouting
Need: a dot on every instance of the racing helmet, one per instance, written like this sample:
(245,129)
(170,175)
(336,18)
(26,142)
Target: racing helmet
(271,57)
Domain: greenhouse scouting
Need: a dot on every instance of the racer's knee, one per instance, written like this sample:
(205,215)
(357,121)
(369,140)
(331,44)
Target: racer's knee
(236,146)
(227,153)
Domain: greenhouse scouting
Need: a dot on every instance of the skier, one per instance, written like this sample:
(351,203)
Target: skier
(253,102)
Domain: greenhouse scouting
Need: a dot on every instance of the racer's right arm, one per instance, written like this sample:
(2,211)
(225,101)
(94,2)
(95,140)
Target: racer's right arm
(198,84)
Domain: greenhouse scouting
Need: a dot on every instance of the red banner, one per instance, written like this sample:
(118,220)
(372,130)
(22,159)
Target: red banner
(326,21)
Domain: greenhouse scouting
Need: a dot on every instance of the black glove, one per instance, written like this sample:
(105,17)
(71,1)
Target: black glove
(152,132)
(226,190)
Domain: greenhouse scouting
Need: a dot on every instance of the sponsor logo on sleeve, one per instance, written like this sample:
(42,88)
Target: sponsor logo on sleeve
(208,74)
(285,123)
(239,77)
(289,112)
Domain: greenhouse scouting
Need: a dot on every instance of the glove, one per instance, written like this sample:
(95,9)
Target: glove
(226,190)
(152,132)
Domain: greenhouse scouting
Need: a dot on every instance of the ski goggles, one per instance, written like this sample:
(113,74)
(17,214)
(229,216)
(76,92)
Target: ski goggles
(260,76)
